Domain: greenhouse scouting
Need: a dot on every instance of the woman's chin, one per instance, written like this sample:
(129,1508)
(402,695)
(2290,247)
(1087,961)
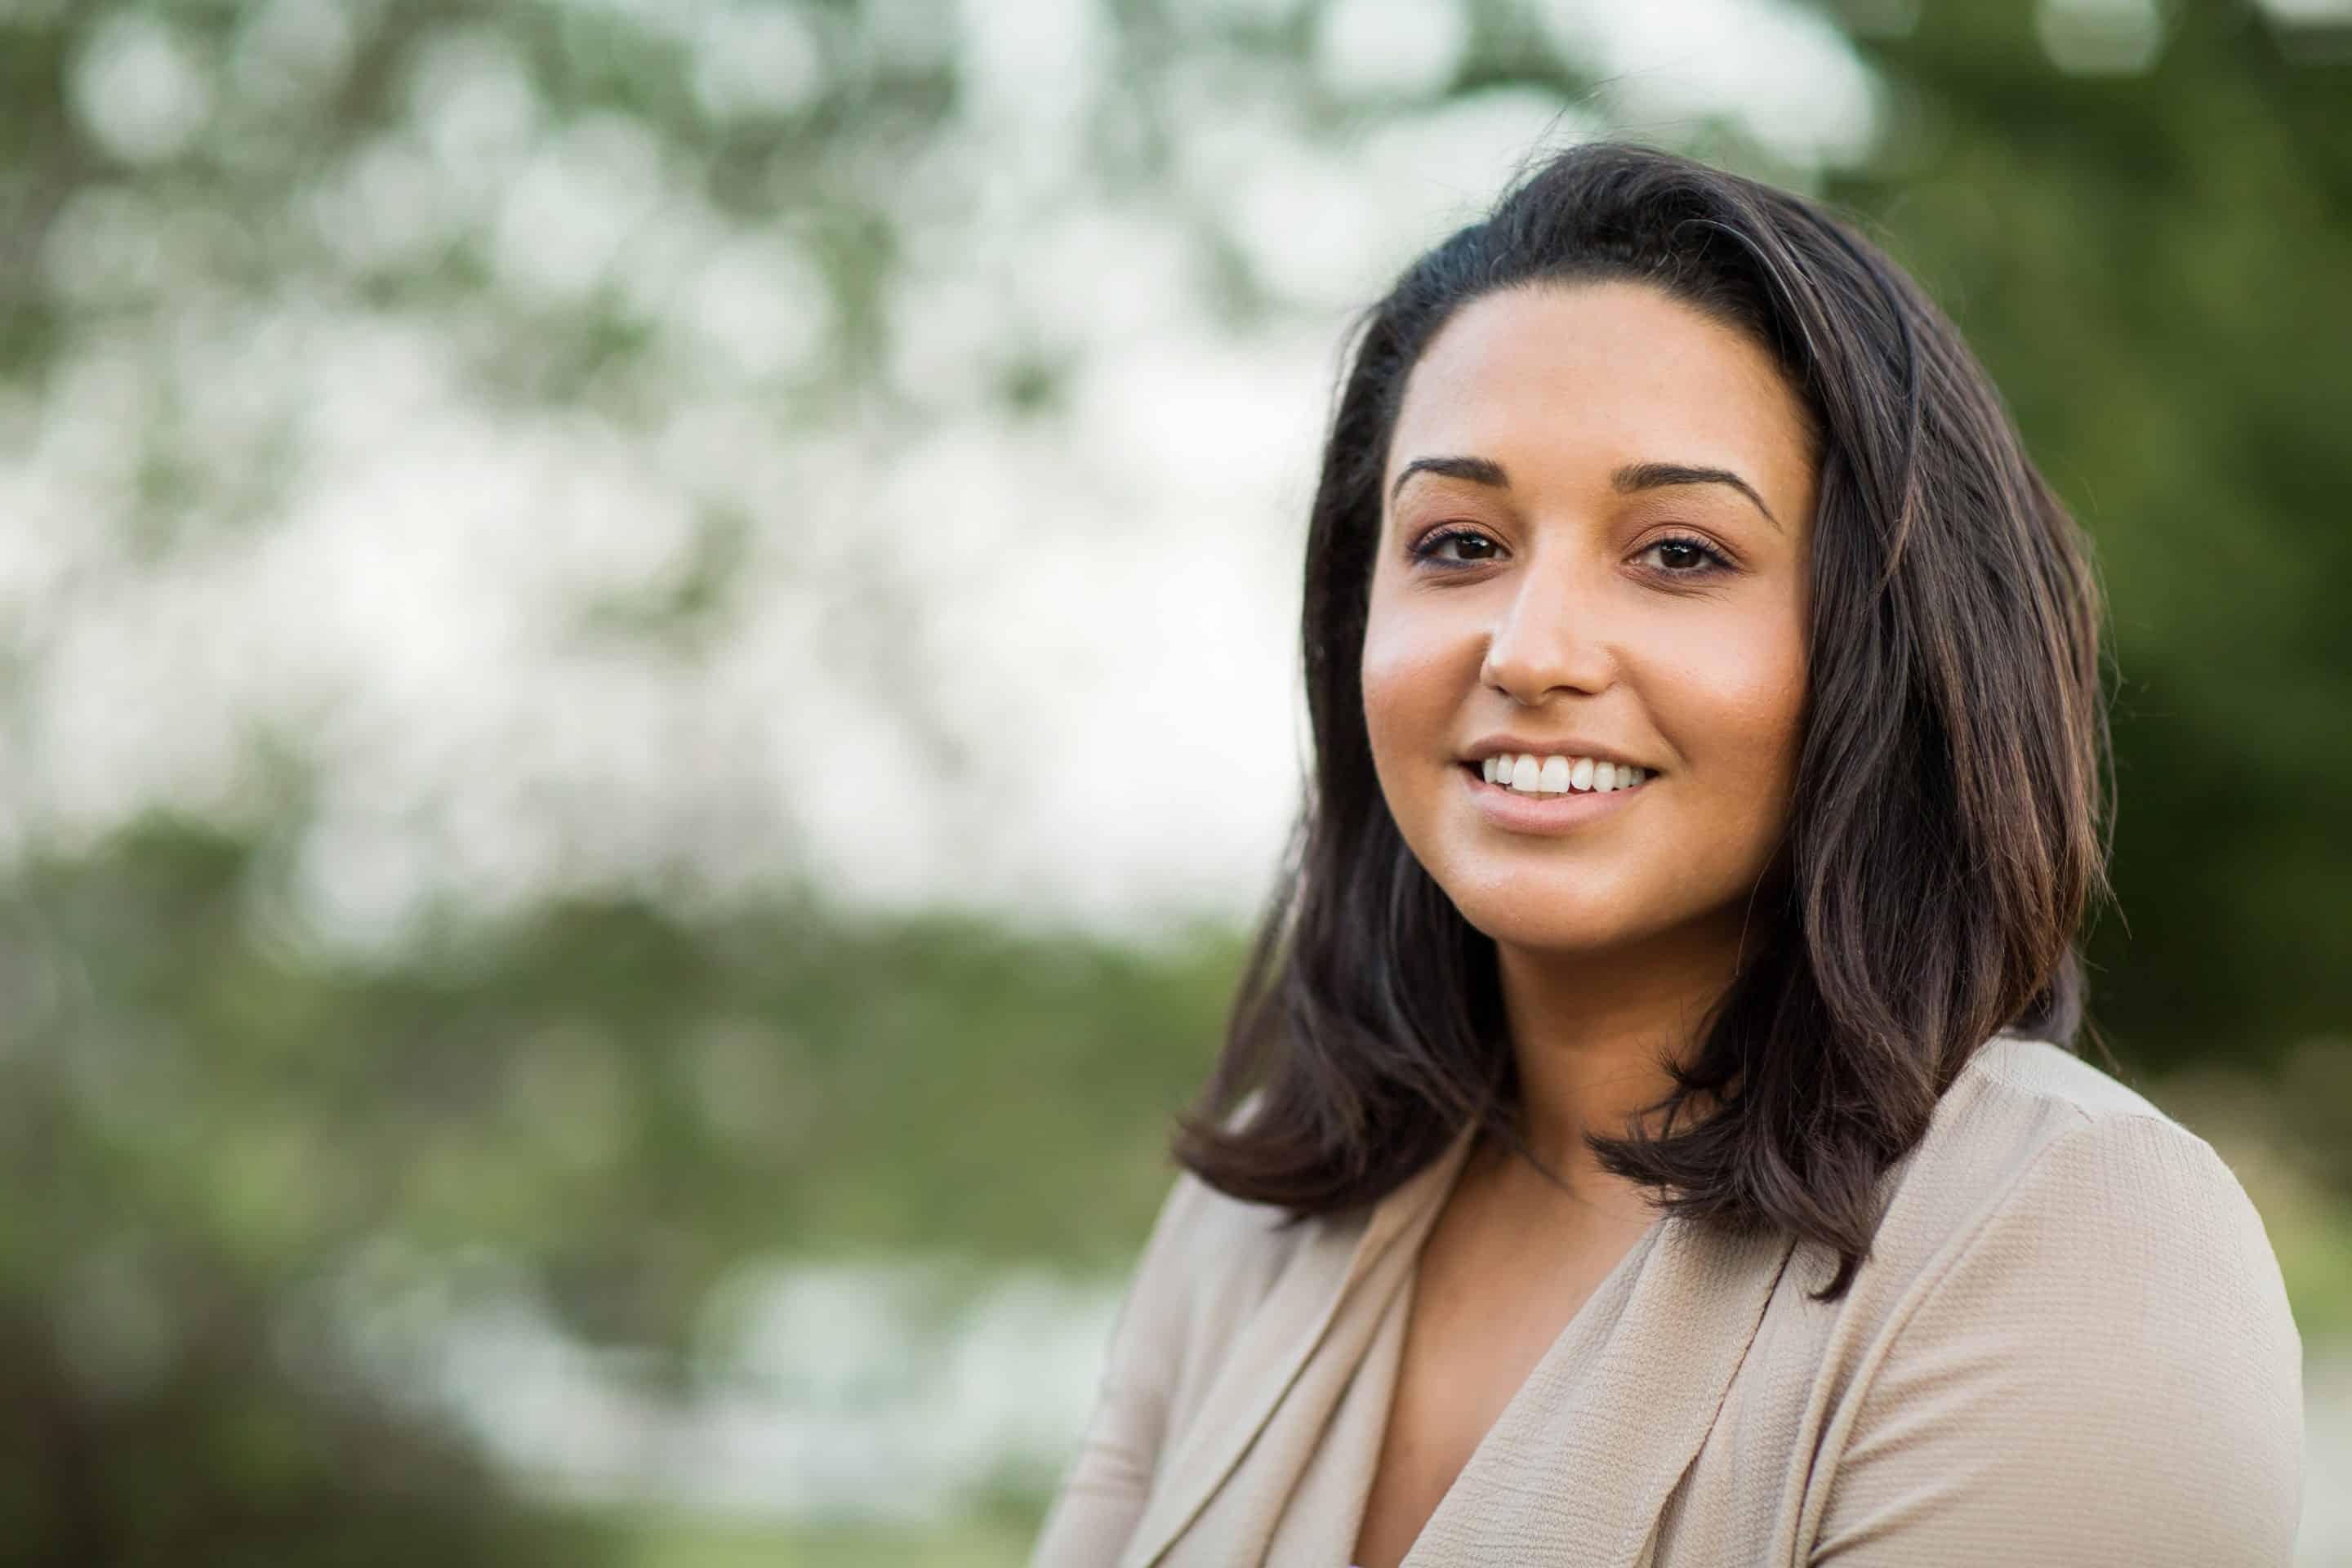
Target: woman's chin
(1575,925)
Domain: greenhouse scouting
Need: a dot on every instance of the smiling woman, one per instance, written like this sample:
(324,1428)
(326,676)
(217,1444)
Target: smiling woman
(1649,1131)
(1609,605)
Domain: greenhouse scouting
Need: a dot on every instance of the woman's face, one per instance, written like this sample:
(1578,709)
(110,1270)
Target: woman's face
(1596,521)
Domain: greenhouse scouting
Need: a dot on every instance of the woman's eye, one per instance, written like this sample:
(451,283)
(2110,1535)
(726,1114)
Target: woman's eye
(1473,549)
(1682,557)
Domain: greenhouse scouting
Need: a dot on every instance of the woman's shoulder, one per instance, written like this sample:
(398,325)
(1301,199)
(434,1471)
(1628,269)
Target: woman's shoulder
(1211,1264)
(2023,1073)
(1212,1257)
(2064,1270)
(2030,1126)
(2034,1145)
(1204,1239)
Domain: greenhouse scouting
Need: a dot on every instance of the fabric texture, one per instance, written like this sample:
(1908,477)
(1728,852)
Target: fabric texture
(2069,1345)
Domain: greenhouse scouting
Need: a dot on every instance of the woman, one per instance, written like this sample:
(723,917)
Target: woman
(1648,1134)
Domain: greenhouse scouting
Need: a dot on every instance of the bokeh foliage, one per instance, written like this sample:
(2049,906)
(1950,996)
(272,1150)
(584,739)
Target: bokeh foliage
(213,1126)
(2152,269)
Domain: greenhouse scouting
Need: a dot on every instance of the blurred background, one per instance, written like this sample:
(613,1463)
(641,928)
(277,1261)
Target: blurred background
(646,685)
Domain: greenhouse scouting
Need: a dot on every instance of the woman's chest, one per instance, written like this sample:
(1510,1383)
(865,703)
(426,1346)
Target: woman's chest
(1486,1309)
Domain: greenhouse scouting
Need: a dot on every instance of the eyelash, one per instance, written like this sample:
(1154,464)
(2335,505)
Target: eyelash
(1426,549)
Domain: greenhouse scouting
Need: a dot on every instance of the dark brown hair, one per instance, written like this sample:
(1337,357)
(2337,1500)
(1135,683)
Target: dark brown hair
(1949,820)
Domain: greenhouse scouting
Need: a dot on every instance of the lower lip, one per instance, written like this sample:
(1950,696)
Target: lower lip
(1546,814)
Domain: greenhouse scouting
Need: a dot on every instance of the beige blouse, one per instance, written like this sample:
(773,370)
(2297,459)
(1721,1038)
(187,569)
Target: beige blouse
(2070,1345)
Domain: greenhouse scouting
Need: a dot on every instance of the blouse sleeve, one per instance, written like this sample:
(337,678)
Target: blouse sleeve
(2106,1372)
(1104,1490)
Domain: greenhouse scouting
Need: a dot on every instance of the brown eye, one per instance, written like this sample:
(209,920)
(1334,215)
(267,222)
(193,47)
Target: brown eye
(1476,548)
(1684,557)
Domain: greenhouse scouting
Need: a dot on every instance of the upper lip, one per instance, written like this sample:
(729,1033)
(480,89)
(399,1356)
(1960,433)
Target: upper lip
(1565,746)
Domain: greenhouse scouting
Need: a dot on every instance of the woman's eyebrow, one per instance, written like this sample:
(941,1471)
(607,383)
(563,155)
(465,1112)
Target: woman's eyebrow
(1632,477)
(1478,470)
(1654,476)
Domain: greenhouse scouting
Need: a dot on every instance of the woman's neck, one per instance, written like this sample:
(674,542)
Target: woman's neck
(1588,1031)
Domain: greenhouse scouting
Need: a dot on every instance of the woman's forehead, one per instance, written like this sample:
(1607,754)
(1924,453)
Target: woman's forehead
(1564,377)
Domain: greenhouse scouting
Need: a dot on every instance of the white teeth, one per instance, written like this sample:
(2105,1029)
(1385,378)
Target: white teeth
(1530,774)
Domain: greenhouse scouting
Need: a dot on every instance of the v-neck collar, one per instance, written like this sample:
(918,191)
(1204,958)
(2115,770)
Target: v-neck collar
(1591,1319)
(1619,1404)
(1620,1400)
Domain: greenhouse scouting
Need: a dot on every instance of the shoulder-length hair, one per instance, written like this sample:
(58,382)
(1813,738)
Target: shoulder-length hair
(1949,823)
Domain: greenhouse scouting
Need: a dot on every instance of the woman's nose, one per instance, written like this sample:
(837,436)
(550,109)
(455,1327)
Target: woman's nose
(1551,635)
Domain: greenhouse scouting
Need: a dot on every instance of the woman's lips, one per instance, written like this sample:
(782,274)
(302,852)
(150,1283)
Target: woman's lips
(1546,815)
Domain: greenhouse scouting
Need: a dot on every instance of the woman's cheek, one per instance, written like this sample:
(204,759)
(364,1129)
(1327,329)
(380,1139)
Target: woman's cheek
(1408,712)
(1741,735)
(1401,681)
